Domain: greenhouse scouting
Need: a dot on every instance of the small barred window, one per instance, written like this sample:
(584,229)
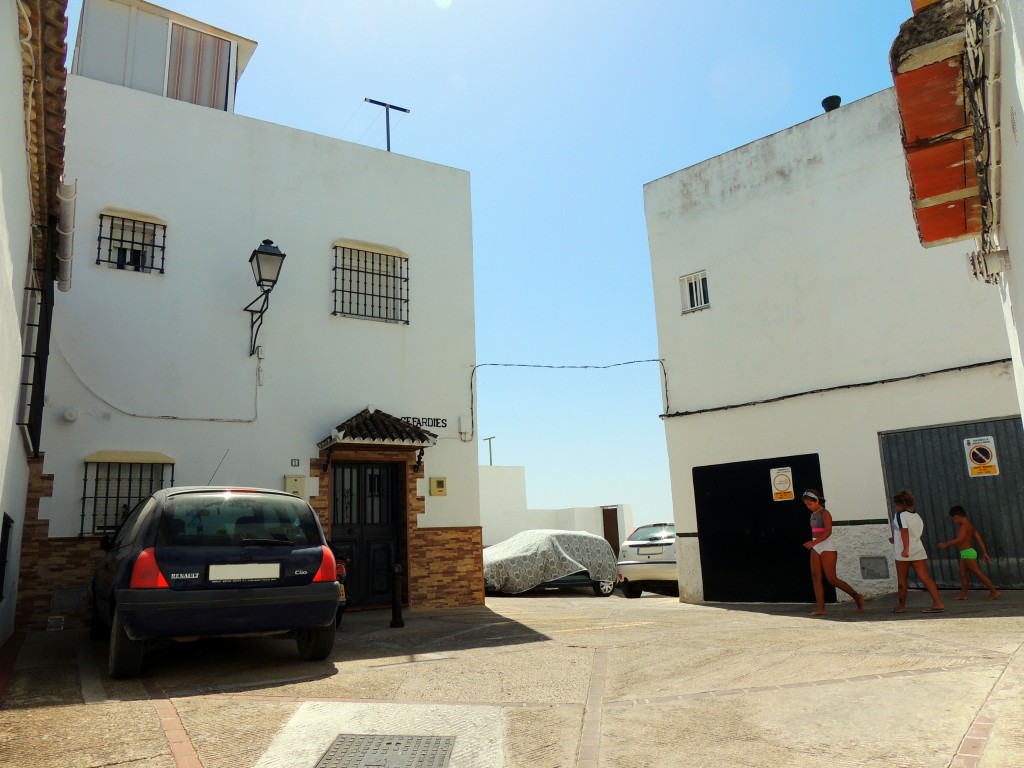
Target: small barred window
(694,289)
(370,284)
(127,242)
(113,488)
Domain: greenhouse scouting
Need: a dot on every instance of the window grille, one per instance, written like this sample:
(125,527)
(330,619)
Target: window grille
(371,285)
(112,489)
(5,551)
(694,289)
(131,244)
(35,332)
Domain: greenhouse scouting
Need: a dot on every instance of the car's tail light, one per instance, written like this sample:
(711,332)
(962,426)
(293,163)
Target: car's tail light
(146,573)
(328,570)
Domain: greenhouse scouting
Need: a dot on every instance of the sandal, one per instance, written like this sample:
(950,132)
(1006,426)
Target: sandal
(933,610)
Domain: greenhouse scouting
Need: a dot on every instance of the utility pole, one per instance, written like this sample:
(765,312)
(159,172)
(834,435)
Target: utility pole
(387,115)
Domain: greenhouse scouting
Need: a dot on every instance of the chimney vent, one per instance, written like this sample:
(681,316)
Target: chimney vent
(831,102)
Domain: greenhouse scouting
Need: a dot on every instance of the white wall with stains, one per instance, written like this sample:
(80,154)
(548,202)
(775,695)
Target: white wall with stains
(816,280)
(151,362)
(15,229)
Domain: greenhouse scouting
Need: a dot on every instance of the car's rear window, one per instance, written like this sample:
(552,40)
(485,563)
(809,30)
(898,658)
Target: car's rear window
(649,532)
(233,518)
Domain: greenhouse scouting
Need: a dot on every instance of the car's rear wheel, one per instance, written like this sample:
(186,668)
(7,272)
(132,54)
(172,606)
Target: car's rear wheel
(125,658)
(630,590)
(604,588)
(315,643)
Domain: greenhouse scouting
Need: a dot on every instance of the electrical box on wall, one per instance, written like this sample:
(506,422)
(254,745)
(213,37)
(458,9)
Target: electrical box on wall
(295,484)
(439,486)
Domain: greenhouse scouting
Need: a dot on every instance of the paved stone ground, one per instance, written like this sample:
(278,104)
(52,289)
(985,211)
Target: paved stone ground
(555,679)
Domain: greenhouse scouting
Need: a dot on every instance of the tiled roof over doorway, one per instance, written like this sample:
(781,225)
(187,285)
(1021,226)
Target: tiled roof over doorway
(379,428)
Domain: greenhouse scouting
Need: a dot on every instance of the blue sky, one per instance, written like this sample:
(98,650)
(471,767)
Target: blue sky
(561,110)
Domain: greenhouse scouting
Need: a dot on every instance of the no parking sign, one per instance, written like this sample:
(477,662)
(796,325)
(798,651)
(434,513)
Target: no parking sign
(981,456)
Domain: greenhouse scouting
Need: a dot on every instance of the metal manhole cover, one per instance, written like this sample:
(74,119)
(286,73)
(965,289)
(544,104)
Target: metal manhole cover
(375,751)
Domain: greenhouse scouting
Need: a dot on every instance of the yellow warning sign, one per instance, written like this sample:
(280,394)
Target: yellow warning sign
(981,456)
(782,484)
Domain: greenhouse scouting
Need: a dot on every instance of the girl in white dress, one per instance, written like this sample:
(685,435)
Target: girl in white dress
(907,527)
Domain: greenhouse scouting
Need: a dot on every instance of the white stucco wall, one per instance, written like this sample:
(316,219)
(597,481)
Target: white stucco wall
(816,279)
(15,226)
(502,503)
(504,513)
(161,362)
(1011,177)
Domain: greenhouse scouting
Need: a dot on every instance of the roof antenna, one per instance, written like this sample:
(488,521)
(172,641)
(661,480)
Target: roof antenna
(218,466)
(387,116)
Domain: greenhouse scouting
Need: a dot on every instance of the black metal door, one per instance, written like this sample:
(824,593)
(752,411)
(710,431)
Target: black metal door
(364,530)
(932,463)
(751,546)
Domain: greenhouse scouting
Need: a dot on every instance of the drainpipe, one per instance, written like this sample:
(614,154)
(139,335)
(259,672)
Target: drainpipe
(66,195)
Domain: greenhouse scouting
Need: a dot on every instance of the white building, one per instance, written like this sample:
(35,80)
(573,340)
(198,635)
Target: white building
(351,389)
(810,341)
(31,156)
(504,511)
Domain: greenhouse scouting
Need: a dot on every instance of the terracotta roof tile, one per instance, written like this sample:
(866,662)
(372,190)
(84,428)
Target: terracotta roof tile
(44,80)
(373,426)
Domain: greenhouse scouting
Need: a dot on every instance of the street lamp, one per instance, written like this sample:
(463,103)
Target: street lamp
(490,456)
(266,261)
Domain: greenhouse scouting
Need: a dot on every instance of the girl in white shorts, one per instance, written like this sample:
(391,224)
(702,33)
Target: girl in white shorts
(823,553)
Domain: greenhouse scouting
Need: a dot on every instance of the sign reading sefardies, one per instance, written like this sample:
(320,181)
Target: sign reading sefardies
(426,421)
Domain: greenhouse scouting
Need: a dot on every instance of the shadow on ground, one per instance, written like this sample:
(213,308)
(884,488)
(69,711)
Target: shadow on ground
(1010,603)
(54,668)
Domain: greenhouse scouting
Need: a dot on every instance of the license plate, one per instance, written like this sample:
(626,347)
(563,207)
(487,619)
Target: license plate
(652,550)
(341,591)
(245,572)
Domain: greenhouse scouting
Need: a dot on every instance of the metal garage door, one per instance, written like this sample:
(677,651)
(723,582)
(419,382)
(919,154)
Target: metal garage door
(933,464)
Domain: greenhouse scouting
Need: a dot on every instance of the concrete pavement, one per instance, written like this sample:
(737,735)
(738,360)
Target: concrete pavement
(555,679)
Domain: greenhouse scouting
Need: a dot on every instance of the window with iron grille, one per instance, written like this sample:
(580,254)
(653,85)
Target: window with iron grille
(371,284)
(5,551)
(111,490)
(135,244)
(37,313)
(694,289)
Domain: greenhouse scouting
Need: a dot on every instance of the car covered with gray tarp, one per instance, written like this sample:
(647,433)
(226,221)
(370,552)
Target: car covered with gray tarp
(550,558)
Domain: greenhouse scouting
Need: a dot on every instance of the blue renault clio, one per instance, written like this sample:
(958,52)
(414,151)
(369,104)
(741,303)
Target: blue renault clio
(203,562)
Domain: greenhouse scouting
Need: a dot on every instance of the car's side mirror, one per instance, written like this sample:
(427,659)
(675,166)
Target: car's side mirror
(105,543)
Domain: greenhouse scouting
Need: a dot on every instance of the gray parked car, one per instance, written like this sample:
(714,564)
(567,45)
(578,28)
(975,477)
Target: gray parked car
(647,561)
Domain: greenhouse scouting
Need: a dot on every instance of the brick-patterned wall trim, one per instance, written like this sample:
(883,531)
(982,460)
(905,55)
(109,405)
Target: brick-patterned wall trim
(56,564)
(49,564)
(446,567)
(443,567)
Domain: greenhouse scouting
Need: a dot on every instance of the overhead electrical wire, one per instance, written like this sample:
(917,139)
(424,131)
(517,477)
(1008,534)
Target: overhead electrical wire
(472,380)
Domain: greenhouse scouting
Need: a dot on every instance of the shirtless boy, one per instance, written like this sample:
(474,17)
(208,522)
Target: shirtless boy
(966,535)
